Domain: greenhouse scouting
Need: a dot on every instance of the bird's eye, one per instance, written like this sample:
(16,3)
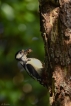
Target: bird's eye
(20,52)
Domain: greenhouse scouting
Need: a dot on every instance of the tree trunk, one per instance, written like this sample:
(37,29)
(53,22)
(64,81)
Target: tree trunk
(55,26)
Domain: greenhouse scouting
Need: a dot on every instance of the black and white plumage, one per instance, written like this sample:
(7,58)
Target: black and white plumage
(33,66)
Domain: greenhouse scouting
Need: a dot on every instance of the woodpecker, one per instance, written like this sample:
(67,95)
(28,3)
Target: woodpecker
(34,67)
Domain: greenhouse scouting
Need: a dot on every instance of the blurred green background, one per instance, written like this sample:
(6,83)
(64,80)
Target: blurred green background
(20,29)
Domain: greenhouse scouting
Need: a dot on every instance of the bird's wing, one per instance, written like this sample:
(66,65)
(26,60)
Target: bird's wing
(30,69)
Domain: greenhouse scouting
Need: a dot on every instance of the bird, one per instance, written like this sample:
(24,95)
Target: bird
(33,66)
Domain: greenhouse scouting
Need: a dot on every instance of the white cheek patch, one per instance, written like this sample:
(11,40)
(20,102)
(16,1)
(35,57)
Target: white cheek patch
(18,56)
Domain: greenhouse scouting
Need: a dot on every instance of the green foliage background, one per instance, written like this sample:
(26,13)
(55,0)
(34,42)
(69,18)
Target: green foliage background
(20,29)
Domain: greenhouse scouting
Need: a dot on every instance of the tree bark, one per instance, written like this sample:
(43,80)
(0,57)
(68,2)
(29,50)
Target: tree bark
(55,27)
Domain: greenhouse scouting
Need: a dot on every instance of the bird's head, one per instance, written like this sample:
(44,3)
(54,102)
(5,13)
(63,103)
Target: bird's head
(22,54)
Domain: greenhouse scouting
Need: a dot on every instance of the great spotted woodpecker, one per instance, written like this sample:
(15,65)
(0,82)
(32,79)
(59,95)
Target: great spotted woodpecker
(33,66)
